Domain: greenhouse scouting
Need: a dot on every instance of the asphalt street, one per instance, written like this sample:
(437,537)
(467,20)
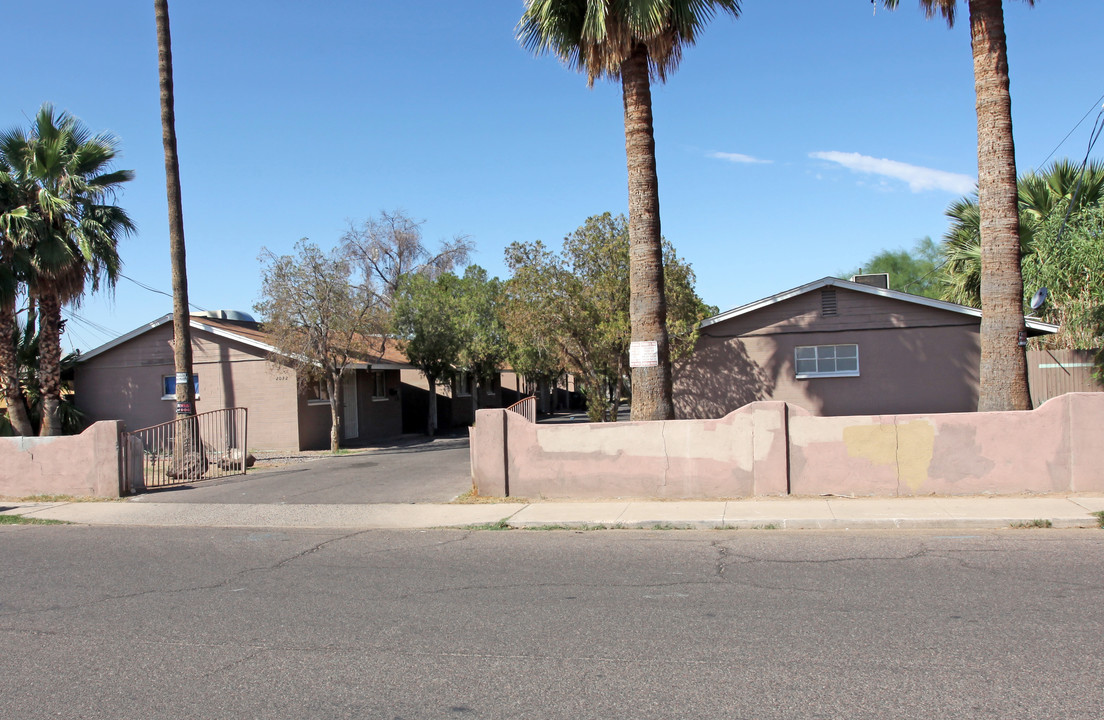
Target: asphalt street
(434,471)
(134,622)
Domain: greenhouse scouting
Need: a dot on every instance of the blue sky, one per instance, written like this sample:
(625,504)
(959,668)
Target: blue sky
(792,143)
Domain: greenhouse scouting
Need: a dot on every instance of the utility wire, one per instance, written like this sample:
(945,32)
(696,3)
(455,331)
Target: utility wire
(1098,127)
(1094,106)
(77,322)
(159,292)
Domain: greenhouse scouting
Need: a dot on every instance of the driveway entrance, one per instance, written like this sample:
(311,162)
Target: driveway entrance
(427,470)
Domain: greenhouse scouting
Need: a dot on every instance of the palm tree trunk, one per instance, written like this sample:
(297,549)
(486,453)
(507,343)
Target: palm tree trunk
(1003,379)
(182,336)
(9,374)
(651,386)
(49,363)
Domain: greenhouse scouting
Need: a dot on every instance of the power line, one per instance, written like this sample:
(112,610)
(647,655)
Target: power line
(1071,132)
(77,321)
(159,292)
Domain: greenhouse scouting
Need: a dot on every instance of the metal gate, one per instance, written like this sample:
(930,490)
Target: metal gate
(208,445)
(526,407)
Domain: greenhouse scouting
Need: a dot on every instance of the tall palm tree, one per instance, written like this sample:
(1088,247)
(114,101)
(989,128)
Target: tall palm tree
(633,41)
(73,228)
(13,272)
(182,331)
(1003,378)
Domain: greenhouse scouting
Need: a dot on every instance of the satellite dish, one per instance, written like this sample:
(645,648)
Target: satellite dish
(1039,298)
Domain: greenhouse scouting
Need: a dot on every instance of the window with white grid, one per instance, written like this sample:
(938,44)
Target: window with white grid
(812,361)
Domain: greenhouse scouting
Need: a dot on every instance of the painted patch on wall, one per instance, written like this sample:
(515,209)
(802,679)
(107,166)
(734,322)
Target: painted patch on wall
(909,446)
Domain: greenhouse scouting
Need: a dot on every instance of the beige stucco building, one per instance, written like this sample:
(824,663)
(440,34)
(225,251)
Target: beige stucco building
(132,379)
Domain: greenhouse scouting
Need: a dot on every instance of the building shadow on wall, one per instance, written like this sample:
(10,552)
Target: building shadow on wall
(718,379)
(902,371)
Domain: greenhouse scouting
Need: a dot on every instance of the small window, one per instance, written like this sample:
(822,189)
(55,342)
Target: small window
(168,387)
(464,385)
(826,361)
(379,386)
(317,394)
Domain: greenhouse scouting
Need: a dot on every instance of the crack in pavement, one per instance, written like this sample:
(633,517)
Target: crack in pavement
(214,585)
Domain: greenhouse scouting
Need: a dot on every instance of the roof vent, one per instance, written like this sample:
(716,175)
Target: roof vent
(878,280)
(828,301)
(236,315)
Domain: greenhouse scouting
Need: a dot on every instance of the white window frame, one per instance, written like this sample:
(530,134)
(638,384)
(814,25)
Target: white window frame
(379,386)
(817,357)
(172,396)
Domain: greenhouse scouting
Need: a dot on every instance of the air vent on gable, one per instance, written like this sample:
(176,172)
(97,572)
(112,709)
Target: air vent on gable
(828,301)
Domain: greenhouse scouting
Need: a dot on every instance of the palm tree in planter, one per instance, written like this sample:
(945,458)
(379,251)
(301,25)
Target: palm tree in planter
(1003,376)
(72,231)
(632,41)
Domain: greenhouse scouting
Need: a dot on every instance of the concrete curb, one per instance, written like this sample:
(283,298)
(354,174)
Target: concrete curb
(955,513)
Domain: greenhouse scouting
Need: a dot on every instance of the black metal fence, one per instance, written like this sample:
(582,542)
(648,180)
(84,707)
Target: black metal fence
(208,445)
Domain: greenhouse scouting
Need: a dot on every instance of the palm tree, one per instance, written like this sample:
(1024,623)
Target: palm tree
(632,41)
(1063,186)
(72,229)
(182,331)
(13,271)
(1003,378)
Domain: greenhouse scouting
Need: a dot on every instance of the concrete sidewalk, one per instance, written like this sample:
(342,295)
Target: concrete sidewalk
(836,513)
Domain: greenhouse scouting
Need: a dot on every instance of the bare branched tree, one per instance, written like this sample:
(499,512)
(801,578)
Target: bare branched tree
(314,316)
(385,248)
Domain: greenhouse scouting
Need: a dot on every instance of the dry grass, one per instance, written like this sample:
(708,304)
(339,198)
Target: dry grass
(60,499)
(472,498)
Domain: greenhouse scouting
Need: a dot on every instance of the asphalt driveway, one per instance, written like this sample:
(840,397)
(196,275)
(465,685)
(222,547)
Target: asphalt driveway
(425,471)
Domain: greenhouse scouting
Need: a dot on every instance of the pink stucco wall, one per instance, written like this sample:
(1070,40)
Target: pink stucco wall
(85,465)
(741,454)
(772,448)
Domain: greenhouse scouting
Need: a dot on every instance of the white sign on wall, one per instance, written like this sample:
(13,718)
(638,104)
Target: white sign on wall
(644,354)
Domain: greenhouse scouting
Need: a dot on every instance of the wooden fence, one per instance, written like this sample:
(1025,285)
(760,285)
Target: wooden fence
(1051,373)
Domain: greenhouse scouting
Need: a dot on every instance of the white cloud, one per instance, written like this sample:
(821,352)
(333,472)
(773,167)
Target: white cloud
(738,158)
(918,178)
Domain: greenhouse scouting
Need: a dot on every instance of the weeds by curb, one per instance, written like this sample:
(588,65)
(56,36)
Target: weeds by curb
(1036,523)
(21,520)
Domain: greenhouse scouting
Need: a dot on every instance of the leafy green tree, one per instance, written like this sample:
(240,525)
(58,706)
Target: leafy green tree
(1003,377)
(912,271)
(534,352)
(62,175)
(485,346)
(1067,258)
(1061,186)
(426,324)
(576,305)
(313,315)
(633,42)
